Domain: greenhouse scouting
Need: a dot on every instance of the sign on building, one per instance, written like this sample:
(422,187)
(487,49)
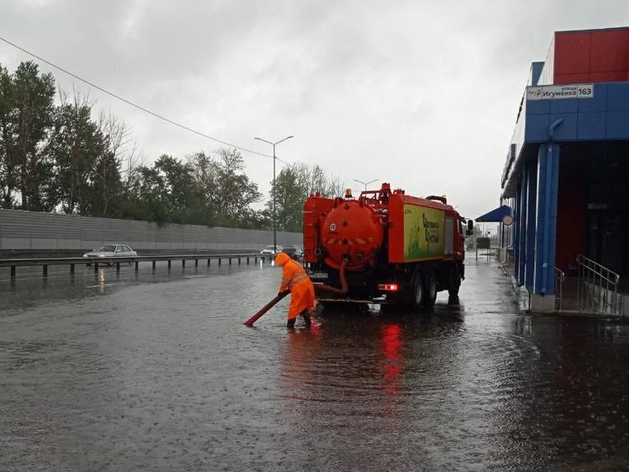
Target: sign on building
(559,92)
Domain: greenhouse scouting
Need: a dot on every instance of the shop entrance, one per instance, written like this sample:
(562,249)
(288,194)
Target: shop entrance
(593,206)
(607,239)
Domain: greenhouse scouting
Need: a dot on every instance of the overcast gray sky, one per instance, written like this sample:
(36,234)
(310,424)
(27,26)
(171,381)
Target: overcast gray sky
(420,94)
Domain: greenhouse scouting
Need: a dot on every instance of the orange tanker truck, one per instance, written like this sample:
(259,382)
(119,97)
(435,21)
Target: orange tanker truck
(384,247)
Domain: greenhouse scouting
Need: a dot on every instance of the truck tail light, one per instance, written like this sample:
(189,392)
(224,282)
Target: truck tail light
(388,287)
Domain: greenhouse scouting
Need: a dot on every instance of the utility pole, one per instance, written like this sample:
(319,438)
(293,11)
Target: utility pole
(274,159)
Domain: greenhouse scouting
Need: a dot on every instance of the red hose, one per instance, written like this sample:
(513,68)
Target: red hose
(266,308)
(339,291)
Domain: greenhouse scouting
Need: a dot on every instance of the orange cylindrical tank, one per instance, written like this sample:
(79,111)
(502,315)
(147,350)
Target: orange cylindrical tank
(352,231)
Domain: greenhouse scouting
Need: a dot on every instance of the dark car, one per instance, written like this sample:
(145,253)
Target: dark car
(293,251)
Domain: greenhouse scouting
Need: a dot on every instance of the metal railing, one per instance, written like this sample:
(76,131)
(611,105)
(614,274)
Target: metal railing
(597,291)
(101,262)
(560,278)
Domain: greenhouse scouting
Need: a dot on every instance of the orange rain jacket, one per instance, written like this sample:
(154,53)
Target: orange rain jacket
(296,280)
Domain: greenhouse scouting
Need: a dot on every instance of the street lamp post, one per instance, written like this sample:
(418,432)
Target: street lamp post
(274,159)
(366,183)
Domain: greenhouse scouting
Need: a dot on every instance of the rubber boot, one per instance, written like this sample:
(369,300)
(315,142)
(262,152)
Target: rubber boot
(307,320)
(291,323)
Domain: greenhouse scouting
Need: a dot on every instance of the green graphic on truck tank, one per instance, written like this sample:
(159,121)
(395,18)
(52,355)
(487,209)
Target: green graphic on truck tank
(423,232)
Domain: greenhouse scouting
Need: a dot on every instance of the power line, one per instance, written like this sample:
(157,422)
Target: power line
(128,102)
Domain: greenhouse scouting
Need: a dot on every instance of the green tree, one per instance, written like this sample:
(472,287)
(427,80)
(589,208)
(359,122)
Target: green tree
(166,192)
(289,194)
(203,173)
(9,175)
(182,191)
(228,191)
(77,147)
(292,186)
(106,185)
(33,102)
(150,200)
(108,188)
(234,191)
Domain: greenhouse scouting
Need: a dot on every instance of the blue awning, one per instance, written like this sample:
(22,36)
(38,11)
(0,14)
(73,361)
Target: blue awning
(496,215)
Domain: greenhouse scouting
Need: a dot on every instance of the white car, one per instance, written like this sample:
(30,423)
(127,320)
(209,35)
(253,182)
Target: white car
(270,250)
(111,250)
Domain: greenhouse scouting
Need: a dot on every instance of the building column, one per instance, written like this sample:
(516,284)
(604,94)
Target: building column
(517,229)
(543,295)
(523,227)
(531,210)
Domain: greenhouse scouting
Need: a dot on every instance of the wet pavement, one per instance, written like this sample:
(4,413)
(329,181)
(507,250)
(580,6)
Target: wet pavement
(157,372)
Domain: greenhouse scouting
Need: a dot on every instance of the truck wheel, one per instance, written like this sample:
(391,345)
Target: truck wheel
(418,290)
(455,283)
(430,290)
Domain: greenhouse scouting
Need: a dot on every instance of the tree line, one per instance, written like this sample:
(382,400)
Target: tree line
(58,155)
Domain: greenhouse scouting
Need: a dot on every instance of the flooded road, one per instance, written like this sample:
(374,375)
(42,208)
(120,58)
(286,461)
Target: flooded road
(157,372)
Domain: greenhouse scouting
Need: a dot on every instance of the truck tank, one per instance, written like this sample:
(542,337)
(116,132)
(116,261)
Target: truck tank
(352,232)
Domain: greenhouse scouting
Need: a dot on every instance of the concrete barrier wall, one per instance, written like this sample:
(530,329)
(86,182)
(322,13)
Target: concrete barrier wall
(26,231)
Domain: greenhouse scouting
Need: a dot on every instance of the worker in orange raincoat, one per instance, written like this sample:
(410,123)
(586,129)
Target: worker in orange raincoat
(301,289)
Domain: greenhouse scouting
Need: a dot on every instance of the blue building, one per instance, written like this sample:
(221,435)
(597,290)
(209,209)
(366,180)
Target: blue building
(566,176)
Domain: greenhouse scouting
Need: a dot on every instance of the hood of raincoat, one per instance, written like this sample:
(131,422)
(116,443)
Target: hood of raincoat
(282,259)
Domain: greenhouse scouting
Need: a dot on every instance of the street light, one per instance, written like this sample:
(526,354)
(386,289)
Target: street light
(366,183)
(274,158)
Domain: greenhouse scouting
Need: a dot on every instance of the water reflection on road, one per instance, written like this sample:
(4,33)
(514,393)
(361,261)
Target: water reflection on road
(163,376)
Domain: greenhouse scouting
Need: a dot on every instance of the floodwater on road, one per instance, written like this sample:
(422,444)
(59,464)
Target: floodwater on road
(157,372)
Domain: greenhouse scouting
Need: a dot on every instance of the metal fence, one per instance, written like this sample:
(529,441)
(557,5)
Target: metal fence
(24,231)
(486,247)
(598,288)
(99,262)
